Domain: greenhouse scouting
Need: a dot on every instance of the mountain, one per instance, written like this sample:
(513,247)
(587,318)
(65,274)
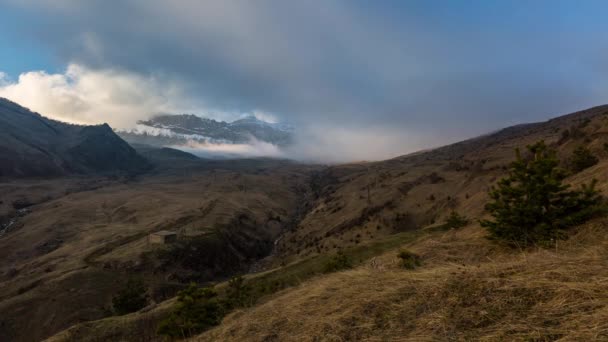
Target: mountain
(465,288)
(169,130)
(34,146)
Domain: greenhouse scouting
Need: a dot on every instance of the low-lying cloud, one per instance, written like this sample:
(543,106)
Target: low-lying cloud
(86,96)
(333,144)
(253,149)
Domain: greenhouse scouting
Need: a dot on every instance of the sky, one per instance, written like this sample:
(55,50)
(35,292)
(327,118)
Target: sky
(361,80)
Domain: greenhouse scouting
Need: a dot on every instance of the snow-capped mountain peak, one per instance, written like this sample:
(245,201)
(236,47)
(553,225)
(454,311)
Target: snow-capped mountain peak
(164,130)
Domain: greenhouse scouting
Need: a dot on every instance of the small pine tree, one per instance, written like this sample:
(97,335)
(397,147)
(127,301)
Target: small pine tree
(338,262)
(409,260)
(532,206)
(455,220)
(238,293)
(581,159)
(131,298)
(197,310)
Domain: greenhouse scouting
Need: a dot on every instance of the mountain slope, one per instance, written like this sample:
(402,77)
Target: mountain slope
(63,258)
(167,130)
(32,145)
(467,288)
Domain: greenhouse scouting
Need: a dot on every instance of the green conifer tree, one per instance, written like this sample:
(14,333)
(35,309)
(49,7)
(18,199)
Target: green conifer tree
(131,298)
(455,220)
(532,205)
(197,310)
(581,159)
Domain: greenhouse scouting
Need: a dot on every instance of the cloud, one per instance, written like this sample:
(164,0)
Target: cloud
(336,69)
(337,60)
(86,96)
(329,144)
(4,80)
(120,98)
(218,150)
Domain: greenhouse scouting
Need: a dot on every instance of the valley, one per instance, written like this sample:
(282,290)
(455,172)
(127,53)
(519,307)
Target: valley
(78,246)
(280,223)
(300,171)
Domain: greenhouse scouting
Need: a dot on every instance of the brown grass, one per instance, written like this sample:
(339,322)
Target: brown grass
(71,254)
(467,289)
(139,326)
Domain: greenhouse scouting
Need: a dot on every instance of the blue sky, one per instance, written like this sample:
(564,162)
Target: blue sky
(421,72)
(18,53)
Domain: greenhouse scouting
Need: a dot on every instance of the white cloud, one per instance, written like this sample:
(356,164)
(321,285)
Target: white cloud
(255,148)
(87,96)
(4,80)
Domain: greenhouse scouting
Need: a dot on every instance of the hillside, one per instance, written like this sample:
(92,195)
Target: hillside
(32,145)
(467,288)
(80,244)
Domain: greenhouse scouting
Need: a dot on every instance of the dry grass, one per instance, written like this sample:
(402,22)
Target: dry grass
(139,326)
(421,189)
(66,259)
(467,289)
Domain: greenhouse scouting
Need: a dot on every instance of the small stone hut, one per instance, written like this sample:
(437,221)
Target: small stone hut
(163,237)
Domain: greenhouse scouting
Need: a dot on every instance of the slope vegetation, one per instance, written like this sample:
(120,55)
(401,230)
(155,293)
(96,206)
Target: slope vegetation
(467,288)
(66,256)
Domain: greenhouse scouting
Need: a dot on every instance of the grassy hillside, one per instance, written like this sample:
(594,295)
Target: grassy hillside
(361,202)
(64,259)
(466,288)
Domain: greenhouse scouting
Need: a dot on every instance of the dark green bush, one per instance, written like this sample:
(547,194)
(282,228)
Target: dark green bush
(131,298)
(409,260)
(197,310)
(532,205)
(238,293)
(455,220)
(581,159)
(338,262)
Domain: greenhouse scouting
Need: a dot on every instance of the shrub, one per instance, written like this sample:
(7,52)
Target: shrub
(581,159)
(456,220)
(199,258)
(338,262)
(532,206)
(133,297)
(409,260)
(197,310)
(238,293)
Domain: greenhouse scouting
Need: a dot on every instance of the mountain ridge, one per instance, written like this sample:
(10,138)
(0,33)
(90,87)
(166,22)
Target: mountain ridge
(367,211)
(32,145)
(179,129)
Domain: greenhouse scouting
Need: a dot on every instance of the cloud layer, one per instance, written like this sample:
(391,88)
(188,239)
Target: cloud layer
(82,95)
(414,73)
